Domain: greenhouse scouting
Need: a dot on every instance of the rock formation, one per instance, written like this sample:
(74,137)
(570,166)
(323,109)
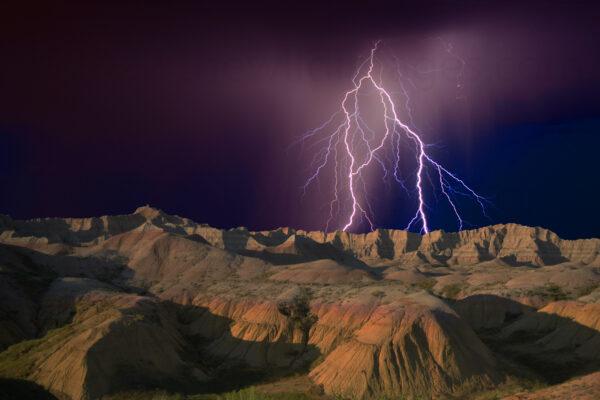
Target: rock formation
(93,306)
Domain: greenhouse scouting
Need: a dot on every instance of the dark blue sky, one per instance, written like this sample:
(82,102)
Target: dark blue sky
(108,106)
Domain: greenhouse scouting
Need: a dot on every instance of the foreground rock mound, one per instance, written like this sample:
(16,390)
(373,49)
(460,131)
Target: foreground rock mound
(416,345)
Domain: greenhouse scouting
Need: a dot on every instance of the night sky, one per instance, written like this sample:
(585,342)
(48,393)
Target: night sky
(106,106)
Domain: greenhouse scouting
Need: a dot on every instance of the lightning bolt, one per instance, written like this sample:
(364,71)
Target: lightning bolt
(352,146)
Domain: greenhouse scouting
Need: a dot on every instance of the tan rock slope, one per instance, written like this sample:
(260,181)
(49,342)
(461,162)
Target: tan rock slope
(510,243)
(94,306)
(114,340)
(416,345)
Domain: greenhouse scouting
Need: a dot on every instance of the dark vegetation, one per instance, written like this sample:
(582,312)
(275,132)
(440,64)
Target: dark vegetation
(18,360)
(551,291)
(427,284)
(244,394)
(584,291)
(19,389)
(451,291)
(299,316)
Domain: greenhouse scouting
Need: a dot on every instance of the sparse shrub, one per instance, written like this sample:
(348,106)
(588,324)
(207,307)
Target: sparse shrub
(452,290)
(359,284)
(138,317)
(298,314)
(264,277)
(551,291)
(427,284)
(555,292)
(380,294)
(495,283)
(584,291)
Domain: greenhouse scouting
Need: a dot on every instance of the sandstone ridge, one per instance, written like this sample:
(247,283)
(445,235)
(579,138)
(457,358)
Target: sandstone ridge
(512,244)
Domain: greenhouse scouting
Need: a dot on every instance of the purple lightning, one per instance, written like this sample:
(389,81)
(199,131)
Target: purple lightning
(353,146)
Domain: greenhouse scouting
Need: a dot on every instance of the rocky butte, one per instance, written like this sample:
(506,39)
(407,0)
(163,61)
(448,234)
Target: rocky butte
(119,306)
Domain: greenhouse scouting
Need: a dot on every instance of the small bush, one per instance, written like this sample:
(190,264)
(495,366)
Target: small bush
(555,292)
(584,291)
(427,284)
(551,291)
(451,291)
(264,277)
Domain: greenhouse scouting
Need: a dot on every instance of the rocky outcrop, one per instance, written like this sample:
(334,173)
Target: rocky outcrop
(511,243)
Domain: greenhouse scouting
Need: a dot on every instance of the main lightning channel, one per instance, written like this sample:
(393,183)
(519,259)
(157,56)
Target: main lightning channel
(349,166)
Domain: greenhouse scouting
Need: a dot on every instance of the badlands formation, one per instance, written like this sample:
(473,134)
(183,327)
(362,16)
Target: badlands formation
(96,307)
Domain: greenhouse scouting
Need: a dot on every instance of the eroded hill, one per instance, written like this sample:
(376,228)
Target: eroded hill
(96,306)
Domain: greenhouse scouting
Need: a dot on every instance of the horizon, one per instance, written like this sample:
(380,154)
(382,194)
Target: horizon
(241,227)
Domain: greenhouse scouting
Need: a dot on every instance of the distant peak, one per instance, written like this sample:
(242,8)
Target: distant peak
(148,211)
